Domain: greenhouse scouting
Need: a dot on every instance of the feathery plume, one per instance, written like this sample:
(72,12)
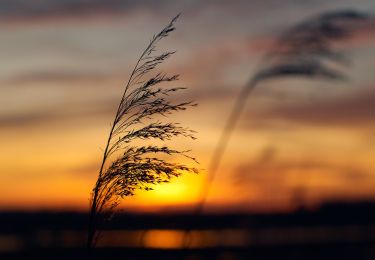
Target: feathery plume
(127,167)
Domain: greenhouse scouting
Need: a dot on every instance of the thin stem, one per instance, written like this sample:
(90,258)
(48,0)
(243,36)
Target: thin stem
(223,143)
(93,211)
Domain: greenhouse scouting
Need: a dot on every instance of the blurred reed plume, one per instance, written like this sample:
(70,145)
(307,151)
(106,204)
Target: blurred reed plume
(128,166)
(306,50)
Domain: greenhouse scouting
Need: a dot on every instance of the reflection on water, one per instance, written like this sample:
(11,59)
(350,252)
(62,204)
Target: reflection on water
(167,239)
(174,238)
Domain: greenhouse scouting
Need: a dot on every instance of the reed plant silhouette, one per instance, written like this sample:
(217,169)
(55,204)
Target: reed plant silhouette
(127,165)
(306,51)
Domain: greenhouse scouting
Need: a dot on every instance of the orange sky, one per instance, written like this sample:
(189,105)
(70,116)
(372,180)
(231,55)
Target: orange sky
(61,77)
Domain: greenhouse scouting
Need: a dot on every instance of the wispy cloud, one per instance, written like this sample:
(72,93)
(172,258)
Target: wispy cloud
(350,110)
(57,76)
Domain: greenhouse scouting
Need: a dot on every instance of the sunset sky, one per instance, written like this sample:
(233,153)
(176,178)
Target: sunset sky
(63,66)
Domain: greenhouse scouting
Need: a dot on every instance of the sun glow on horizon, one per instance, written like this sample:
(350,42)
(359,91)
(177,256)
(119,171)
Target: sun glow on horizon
(61,86)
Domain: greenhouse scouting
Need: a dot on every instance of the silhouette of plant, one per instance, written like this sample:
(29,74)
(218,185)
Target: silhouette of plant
(307,50)
(128,166)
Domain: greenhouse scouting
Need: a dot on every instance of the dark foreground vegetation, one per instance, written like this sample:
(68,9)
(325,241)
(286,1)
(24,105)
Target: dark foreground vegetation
(335,231)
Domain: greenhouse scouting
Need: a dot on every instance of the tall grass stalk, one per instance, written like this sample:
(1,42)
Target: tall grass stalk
(307,50)
(128,166)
